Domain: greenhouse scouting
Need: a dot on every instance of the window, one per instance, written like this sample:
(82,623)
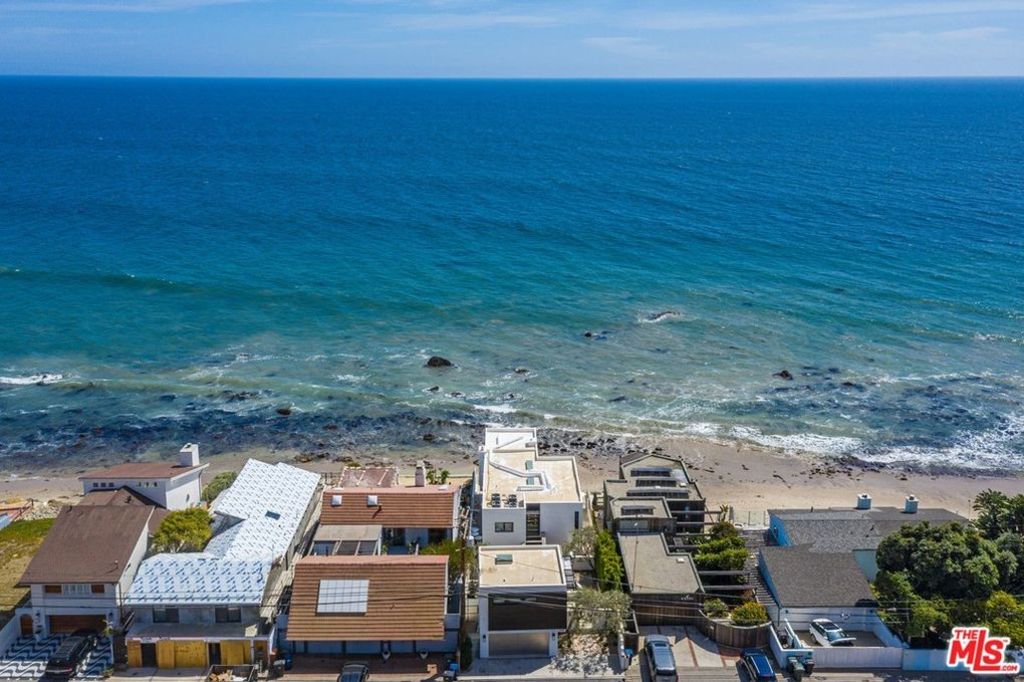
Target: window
(576,520)
(95,484)
(504,527)
(74,589)
(228,614)
(51,589)
(165,615)
(99,589)
(342,596)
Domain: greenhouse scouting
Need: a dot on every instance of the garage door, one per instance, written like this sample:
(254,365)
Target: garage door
(518,644)
(65,624)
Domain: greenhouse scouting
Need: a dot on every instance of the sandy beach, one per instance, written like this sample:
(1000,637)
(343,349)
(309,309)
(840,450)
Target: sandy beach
(750,480)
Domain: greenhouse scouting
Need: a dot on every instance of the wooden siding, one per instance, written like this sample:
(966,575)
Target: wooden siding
(405,599)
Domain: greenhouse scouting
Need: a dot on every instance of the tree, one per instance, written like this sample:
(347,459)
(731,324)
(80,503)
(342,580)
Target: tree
(904,611)
(722,549)
(1012,573)
(950,561)
(437,476)
(218,484)
(999,513)
(595,611)
(185,530)
(1005,617)
(749,613)
(460,557)
(607,562)
(581,542)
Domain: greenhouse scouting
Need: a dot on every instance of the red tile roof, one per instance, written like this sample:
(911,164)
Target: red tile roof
(405,598)
(431,506)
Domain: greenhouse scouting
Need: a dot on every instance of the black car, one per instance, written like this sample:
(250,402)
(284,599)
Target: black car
(354,672)
(65,660)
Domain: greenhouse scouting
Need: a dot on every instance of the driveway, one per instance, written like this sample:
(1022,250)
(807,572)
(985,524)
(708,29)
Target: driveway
(692,649)
(26,659)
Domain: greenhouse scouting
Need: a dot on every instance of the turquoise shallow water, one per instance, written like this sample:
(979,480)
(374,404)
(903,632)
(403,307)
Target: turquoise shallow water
(181,258)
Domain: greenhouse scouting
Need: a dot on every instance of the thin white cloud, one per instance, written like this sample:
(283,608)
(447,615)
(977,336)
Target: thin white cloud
(452,21)
(624,46)
(822,13)
(116,6)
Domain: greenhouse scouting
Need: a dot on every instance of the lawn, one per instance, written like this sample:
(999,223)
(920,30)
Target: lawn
(18,542)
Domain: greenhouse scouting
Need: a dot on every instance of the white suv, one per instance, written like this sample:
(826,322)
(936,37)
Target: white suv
(828,633)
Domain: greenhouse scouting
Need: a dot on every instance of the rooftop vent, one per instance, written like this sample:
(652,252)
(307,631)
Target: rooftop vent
(863,501)
(910,504)
(335,500)
(529,465)
(273,515)
(502,559)
(371,501)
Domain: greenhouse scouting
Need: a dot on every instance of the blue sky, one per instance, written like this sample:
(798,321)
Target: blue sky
(513,38)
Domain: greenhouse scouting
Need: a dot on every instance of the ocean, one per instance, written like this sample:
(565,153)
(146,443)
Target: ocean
(248,262)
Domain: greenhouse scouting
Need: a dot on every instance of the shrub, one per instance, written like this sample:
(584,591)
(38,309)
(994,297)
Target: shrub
(607,562)
(716,608)
(218,484)
(185,530)
(749,613)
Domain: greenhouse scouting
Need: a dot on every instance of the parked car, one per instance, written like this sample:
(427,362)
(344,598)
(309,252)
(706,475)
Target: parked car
(65,660)
(828,633)
(757,666)
(660,661)
(354,672)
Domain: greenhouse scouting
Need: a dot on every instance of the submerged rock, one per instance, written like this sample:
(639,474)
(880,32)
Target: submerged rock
(438,361)
(784,374)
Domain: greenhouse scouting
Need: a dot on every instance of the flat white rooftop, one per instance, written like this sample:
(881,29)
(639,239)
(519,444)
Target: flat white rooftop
(522,565)
(514,472)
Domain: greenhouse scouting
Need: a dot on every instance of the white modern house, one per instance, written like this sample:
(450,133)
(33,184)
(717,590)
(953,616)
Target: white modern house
(523,600)
(194,609)
(168,485)
(522,496)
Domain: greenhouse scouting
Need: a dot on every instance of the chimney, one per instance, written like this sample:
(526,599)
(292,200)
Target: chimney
(421,474)
(188,456)
(910,504)
(863,501)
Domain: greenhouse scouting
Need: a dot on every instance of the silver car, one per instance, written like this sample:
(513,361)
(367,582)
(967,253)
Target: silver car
(828,633)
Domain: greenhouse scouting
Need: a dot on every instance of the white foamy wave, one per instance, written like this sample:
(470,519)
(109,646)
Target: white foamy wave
(662,316)
(350,378)
(497,409)
(998,448)
(799,442)
(32,379)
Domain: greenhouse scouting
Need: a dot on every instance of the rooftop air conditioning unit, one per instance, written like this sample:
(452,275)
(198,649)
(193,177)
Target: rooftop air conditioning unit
(335,500)
(371,501)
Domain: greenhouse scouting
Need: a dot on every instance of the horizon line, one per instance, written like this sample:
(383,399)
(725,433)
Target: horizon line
(514,78)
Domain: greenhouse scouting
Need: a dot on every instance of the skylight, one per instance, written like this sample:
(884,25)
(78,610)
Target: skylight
(342,596)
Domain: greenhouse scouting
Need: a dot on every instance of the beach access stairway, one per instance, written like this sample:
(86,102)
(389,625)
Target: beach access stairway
(755,540)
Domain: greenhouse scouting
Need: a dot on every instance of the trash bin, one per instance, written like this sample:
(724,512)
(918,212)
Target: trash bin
(795,667)
(287,660)
(809,666)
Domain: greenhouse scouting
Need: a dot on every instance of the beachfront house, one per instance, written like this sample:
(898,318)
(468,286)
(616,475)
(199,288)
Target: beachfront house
(522,600)
(171,485)
(664,586)
(372,606)
(654,492)
(220,605)
(79,576)
(523,497)
(822,561)
(393,517)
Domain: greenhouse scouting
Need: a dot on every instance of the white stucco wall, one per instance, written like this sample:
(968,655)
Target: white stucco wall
(490,516)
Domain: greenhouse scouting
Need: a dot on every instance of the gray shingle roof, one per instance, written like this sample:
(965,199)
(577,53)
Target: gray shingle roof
(845,529)
(802,577)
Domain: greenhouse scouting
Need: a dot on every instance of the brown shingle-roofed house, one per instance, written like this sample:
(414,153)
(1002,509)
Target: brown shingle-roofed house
(122,496)
(172,485)
(428,506)
(84,566)
(139,470)
(382,599)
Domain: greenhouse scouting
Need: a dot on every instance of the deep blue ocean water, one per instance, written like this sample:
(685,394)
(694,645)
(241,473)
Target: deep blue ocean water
(188,256)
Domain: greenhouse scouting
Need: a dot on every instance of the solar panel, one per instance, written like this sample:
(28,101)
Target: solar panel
(342,596)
